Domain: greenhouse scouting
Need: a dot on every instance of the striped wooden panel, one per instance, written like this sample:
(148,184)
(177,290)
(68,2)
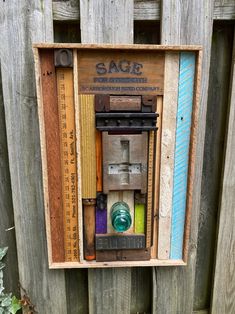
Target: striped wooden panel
(88,148)
(167,153)
(185,103)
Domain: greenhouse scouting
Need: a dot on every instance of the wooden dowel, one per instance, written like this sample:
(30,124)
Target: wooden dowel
(89,228)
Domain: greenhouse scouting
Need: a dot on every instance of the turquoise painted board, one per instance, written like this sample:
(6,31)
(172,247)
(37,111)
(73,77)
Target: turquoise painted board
(183,127)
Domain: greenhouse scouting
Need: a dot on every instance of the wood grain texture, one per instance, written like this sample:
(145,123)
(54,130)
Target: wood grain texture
(89,231)
(143,10)
(52,135)
(224,10)
(182,142)
(113,46)
(88,150)
(78,154)
(68,157)
(170,103)
(19,27)
(7,229)
(218,94)
(108,288)
(223,300)
(69,10)
(157,177)
(77,291)
(123,255)
(148,81)
(179,21)
(140,290)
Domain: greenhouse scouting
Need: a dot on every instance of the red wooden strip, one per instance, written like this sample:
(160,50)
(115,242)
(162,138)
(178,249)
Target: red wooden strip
(51,119)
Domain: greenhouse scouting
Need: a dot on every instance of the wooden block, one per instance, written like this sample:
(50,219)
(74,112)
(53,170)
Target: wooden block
(102,103)
(120,242)
(157,177)
(89,229)
(113,197)
(124,75)
(149,103)
(68,161)
(88,148)
(167,153)
(99,166)
(125,103)
(183,128)
(139,218)
(149,211)
(123,255)
(52,136)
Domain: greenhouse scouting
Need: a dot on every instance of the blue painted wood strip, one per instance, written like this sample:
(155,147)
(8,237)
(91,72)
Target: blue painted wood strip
(184,113)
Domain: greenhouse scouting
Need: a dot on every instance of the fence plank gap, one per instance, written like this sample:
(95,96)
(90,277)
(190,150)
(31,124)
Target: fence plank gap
(7,229)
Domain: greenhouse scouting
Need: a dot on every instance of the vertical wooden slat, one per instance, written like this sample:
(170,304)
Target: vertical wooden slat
(173,287)
(108,22)
(76,279)
(223,300)
(7,230)
(218,94)
(52,137)
(182,141)
(167,153)
(19,27)
(88,152)
(157,177)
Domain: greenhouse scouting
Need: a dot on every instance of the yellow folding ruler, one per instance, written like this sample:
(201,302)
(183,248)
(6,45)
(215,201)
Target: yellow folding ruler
(68,161)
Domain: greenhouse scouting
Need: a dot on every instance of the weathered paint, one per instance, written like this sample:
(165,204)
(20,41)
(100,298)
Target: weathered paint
(185,102)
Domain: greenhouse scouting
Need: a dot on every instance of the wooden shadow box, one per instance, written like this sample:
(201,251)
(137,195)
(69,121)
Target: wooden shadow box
(118,127)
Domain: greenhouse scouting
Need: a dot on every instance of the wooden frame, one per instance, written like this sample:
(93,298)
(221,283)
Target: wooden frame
(144,48)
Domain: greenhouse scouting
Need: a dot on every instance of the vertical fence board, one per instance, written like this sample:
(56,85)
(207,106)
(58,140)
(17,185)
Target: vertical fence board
(76,279)
(108,22)
(223,300)
(21,23)
(173,288)
(220,65)
(7,237)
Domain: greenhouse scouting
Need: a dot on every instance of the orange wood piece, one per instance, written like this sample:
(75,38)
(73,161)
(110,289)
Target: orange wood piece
(68,161)
(89,229)
(51,119)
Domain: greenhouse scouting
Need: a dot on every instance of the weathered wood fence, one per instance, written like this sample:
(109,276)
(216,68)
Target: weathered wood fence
(207,284)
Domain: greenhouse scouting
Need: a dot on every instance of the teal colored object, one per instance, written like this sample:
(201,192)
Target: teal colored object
(120,216)
(184,113)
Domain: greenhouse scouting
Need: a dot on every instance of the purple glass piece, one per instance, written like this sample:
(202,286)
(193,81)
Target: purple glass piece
(101,221)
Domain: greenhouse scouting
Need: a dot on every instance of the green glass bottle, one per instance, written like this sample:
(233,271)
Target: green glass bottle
(120,216)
